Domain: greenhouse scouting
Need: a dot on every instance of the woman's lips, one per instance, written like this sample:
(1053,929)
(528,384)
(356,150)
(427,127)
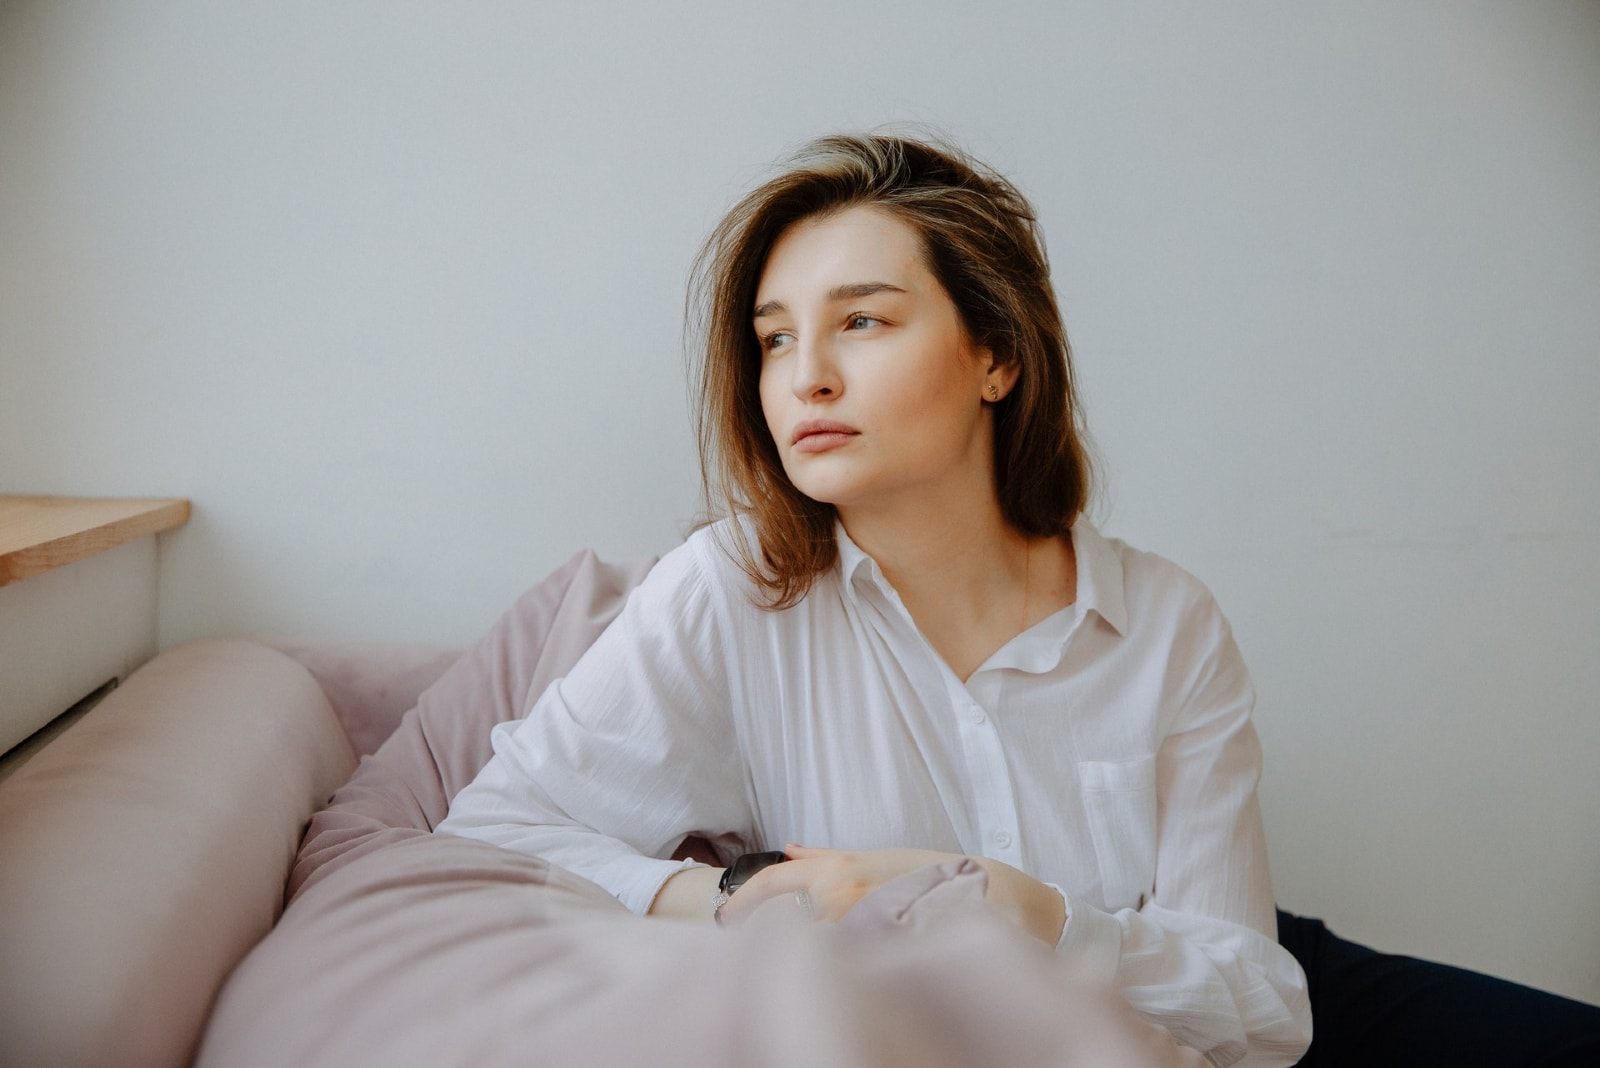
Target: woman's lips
(822,442)
(819,436)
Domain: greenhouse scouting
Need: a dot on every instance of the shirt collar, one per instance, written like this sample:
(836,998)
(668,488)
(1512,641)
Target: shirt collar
(1099,572)
(853,559)
(1100,585)
(1039,649)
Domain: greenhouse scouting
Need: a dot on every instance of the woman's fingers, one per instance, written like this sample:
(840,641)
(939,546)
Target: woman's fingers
(767,884)
(819,886)
(826,883)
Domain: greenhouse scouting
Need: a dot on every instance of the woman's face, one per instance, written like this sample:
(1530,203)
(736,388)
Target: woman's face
(870,386)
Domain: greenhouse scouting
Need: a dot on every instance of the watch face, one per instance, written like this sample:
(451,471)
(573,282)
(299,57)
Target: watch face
(746,866)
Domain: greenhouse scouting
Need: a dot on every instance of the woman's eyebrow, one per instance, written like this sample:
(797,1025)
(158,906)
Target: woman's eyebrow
(849,291)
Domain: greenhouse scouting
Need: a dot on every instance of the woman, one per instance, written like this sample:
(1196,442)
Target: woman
(904,643)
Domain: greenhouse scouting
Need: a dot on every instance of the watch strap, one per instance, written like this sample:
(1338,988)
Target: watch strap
(738,873)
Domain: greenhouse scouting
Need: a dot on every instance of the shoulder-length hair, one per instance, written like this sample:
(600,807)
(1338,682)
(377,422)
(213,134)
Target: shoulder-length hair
(981,241)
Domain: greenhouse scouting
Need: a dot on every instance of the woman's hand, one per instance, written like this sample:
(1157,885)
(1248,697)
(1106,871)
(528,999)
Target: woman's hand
(833,880)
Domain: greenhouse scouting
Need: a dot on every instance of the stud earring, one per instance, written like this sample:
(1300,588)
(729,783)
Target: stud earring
(994,392)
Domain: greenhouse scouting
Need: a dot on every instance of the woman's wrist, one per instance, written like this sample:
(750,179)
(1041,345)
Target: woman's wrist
(1036,907)
(688,894)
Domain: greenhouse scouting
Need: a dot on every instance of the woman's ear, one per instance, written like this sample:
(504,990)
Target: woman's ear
(1000,379)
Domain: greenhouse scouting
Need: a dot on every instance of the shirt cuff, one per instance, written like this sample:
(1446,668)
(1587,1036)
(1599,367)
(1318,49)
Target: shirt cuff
(636,880)
(1091,939)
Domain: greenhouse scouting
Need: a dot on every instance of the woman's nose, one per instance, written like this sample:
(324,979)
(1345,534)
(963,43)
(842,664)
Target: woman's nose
(816,372)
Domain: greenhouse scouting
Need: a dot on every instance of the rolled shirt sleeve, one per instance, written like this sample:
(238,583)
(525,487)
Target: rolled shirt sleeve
(1198,953)
(636,740)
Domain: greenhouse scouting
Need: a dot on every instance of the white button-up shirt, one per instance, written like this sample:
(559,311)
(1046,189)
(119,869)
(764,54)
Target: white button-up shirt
(1107,751)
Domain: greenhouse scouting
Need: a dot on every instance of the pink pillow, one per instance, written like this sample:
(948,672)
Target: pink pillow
(443,950)
(404,789)
(370,685)
(143,852)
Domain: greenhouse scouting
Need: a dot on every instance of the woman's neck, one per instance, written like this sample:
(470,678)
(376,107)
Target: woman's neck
(970,581)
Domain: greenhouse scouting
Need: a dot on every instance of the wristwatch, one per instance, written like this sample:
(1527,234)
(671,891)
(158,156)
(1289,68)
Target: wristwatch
(737,874)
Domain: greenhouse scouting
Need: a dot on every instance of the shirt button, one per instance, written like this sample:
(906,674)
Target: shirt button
(977,716)
(1002,839)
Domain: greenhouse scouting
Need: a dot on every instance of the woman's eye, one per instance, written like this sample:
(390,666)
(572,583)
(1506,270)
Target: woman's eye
(863,322)
(775,339)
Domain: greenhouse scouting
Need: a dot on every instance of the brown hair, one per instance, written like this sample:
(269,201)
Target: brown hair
(982,242)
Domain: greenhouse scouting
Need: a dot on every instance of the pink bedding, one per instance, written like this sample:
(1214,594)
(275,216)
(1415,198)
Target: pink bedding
(402,947)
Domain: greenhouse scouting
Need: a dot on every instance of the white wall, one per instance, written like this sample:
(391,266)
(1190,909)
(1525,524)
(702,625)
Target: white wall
(393,292)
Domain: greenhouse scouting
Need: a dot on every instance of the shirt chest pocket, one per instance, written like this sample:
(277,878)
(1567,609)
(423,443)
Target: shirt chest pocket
(1119,797)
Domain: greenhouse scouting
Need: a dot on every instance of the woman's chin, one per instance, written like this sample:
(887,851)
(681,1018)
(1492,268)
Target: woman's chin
(821,488)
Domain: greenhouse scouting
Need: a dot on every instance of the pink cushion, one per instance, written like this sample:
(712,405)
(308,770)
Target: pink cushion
(371,684)
(404,789)
(144,851)
(442,950)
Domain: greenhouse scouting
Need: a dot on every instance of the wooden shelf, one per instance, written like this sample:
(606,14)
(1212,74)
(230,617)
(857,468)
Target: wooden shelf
(41,533)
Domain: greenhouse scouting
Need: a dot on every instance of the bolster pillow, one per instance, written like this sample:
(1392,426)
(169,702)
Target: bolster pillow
(144,851)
